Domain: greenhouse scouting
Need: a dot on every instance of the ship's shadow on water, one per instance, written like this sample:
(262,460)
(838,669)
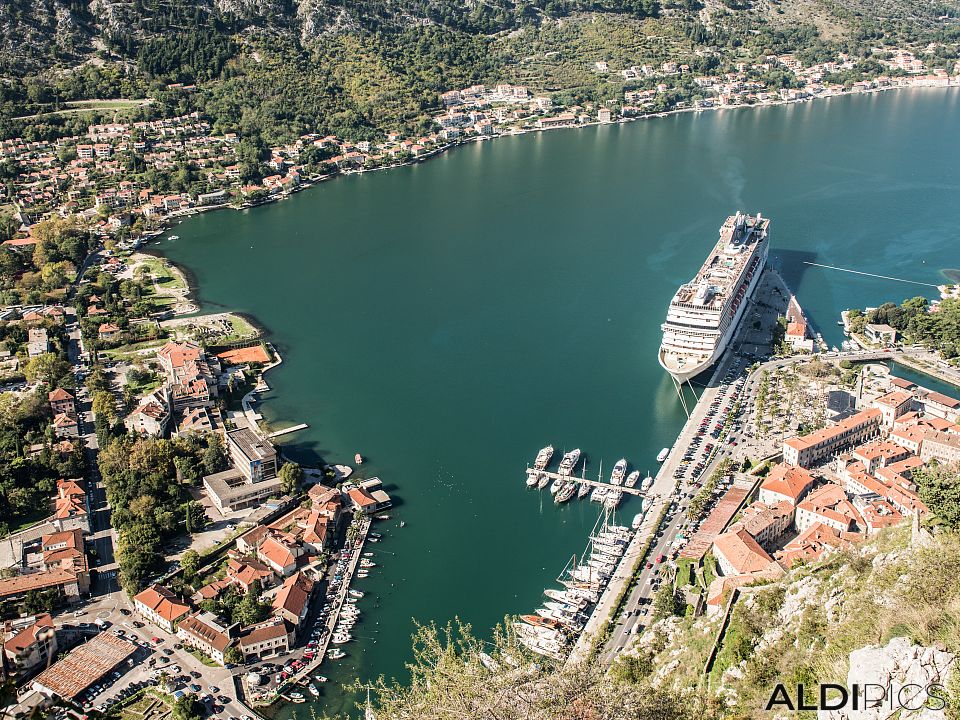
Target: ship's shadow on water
(792,265)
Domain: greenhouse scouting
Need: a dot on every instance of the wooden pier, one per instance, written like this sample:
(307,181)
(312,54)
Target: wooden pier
(586,481)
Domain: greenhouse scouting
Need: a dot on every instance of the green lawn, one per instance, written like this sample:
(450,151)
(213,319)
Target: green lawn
(162,273)
(130,351)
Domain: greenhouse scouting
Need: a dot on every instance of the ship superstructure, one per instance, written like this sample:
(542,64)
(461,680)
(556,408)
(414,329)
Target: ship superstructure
(704,313)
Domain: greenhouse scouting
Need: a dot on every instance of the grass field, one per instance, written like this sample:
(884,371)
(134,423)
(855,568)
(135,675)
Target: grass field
(166,278)
(76,107)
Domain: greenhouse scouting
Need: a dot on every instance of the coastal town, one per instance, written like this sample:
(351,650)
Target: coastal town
(261,567)
(163,556)
(87,177)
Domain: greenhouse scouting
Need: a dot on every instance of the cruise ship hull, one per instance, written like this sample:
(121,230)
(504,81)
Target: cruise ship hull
(694,365)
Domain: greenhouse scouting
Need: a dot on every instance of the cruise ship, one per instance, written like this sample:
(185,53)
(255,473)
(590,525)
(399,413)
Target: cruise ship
(704,314)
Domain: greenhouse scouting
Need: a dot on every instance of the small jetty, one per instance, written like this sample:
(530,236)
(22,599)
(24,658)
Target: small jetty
(288,430)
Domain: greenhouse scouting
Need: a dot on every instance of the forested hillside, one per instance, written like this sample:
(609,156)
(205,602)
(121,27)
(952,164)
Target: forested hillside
(272,69)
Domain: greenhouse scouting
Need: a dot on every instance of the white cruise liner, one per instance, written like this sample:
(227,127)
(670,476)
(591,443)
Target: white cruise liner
(704,314)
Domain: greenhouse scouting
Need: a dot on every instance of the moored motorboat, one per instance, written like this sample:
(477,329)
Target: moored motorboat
(619,470)
(599,494)
(569,462)
(313,690)
(613,499)
(582,490)
(637,521)
(566,492)
(538,621)
(543,481)
(663,455)
(543,457)
(532,479)
(632,479)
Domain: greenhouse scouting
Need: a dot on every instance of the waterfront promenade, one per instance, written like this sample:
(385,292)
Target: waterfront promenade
(336,605)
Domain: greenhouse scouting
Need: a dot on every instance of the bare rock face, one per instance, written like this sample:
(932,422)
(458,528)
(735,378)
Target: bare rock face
(896,679)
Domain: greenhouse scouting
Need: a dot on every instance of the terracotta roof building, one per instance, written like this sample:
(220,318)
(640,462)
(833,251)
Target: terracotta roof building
(293,599)
(204,631)
(29,645)
(739,554)
(822,444)
(785,483)
(161,607)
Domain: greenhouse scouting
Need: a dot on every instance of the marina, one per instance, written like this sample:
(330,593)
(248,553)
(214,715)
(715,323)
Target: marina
(338,607)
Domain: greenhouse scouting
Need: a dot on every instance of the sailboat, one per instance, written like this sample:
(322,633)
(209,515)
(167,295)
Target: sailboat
(583,489)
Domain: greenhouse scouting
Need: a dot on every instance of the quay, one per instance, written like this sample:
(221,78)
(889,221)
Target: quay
(287,430)
(585,481)
(334,615)
(661,492)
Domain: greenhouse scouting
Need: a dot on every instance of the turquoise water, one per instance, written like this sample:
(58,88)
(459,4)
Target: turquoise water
(449,319)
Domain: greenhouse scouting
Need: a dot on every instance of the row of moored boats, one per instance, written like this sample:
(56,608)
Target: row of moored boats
(551,629)
(565,486)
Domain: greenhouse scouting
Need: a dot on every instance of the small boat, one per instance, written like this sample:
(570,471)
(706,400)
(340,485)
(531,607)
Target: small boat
(557,484)
(543,457)
(335,654)
(320,678)
(532,479)
(403,523)
(613,499)
(373,539)
(341,638)
(543,481)
(356,593)
(632,479)
(368,554)
(583,490)
(363,574)
(173,237)
(358,459)
(538,621)
(637,521)
(313,690)
(647,483)
(297,697)
(619,470)
(664,454)
(645,504)
(566,492)
(599,494)
(376,535)
(382,517)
